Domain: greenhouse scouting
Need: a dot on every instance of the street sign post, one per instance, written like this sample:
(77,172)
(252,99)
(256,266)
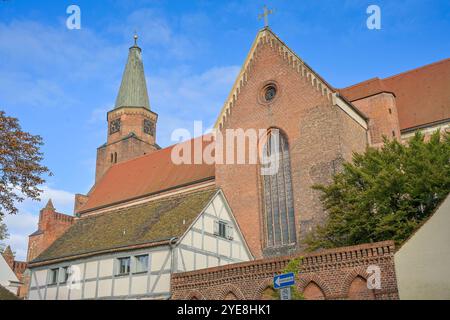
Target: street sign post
(285,293)
(283,280)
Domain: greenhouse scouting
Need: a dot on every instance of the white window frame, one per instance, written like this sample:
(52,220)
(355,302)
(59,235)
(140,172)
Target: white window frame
(135,263)
(118,261)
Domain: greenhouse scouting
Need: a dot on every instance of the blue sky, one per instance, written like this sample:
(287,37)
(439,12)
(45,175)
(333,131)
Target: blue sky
(60,83)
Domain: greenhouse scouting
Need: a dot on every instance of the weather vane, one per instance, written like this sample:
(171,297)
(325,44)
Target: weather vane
(265,16)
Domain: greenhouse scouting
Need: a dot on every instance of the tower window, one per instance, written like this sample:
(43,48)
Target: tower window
(114,126)
(115,157)
(112,158)
(149,127)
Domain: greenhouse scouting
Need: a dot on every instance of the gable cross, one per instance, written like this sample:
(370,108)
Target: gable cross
(265,16)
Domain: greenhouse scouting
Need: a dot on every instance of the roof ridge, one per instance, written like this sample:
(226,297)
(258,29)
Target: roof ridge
(150,201)
(417,69)
(157,151)
(360,83)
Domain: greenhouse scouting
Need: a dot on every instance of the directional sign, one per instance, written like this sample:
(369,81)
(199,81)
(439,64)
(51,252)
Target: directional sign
(283,280)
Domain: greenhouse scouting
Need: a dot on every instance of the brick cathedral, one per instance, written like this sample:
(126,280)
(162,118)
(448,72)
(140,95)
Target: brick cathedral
(320,127)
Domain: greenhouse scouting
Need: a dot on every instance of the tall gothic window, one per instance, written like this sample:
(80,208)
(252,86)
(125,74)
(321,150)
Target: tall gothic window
(278,198)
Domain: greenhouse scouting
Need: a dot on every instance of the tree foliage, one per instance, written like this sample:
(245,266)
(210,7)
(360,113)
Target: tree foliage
(384,194)
(21,170)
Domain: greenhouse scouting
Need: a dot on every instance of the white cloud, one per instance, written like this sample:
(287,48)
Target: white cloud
(57,68)
(182,97)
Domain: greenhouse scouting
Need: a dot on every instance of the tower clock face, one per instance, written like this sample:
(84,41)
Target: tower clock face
(114,126)
(149,127)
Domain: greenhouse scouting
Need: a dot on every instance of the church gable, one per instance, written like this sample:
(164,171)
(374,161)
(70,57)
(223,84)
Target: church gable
(286,57)
(277,90)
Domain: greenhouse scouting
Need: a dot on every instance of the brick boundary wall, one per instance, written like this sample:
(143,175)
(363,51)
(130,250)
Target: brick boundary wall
(339,273)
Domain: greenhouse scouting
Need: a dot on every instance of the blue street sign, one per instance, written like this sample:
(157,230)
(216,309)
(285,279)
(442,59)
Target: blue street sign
(283,280)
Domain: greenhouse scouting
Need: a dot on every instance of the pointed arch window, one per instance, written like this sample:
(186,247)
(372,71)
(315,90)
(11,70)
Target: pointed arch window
(277,194)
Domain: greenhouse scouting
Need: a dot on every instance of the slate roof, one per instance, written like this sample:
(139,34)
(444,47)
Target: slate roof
(422,95)
(133,89)
(153,222)
(146,175)
(5,294)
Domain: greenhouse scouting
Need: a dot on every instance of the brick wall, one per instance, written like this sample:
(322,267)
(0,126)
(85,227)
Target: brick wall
(331,274)
(320,136)
(50,227)
(382,111)
(130,142)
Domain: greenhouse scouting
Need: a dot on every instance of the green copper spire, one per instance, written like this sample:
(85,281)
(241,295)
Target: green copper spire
(133,90)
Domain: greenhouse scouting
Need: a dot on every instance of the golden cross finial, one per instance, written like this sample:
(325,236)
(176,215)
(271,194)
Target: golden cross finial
(265,16)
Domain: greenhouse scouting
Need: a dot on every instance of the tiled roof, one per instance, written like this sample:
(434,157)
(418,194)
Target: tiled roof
(146,175)
(422,95)
(150,223)
(5,294)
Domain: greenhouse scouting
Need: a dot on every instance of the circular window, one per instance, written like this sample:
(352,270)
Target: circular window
(269,93)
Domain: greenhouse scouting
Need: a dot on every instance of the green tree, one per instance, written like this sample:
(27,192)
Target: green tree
(20,167)
(384,194)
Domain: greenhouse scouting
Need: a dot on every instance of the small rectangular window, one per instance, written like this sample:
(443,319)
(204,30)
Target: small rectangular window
(124,266)
(53,276)
(223,230)
(65,275)
(141,264)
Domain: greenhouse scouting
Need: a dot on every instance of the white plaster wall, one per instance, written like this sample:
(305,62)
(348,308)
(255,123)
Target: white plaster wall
(200,248)
(422,264)
(99,278)
(7,276)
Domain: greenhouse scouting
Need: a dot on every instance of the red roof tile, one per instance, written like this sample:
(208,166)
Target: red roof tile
(422,95)
(146,175)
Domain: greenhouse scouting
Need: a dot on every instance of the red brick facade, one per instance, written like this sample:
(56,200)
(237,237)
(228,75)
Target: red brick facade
(51,226)
(339,273)
(382,111)
(319,133)
(130,141)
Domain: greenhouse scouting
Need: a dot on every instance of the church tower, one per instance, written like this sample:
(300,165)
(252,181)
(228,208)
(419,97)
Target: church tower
(131,124)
